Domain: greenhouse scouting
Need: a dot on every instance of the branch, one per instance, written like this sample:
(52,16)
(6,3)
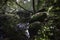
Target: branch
(33,2)
(23,8)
